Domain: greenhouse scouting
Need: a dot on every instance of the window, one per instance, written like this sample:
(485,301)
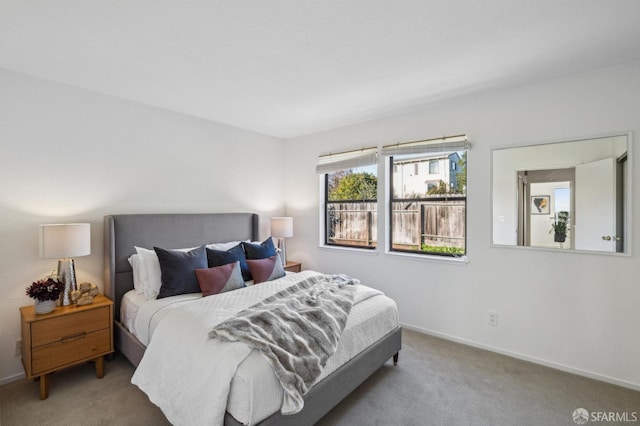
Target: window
(432,186)
(350,198)
(434,167)
(429,216)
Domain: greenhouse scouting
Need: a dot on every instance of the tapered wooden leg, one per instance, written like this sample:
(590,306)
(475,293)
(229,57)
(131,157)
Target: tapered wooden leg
(100,367)
(44,386)
(395,359)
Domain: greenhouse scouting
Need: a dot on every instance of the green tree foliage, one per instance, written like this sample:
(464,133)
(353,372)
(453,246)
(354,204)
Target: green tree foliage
(345,186)
(334,181)
(442,188)
(462,176)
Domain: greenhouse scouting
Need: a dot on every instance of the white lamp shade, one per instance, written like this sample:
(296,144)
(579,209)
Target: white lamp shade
(65,240)
(282,227)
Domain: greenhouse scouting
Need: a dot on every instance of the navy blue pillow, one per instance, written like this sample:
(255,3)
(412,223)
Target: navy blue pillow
(259,251)
(234,254)
(178,270)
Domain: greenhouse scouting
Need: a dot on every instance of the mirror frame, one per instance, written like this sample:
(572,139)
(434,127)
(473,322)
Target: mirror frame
(628,194)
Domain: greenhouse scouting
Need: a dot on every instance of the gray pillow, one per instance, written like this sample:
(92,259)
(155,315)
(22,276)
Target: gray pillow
(234,254)
(178,270)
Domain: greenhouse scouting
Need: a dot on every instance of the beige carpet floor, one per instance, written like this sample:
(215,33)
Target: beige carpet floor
(436,382)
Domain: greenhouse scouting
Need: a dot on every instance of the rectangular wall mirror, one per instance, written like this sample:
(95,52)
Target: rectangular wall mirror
(571,195)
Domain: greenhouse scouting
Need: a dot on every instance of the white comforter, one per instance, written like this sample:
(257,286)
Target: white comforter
(187,374)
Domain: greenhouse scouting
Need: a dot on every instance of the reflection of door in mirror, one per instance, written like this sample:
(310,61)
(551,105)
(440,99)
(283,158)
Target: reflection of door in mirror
(535,221)
(599,210)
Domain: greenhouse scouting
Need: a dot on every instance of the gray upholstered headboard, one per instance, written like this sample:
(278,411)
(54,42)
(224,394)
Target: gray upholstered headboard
(170,231)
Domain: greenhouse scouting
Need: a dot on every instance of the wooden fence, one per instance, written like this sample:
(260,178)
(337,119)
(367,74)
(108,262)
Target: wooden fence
(354,223)
(435,223)
(438,223)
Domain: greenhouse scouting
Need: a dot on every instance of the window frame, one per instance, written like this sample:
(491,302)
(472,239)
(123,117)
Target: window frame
(389,189)
(348,161)
(327,226)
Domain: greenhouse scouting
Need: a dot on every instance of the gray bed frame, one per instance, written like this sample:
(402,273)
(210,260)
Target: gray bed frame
(123,232)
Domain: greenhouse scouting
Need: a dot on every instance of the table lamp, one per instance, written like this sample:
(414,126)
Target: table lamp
(62,242)
(281,228)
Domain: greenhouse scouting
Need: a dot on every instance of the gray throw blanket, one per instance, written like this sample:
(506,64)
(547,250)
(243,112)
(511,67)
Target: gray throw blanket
(297,329)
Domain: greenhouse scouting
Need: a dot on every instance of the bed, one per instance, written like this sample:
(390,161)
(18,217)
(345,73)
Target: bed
(171,231)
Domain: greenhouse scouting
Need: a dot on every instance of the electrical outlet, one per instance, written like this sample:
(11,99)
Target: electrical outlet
(18,347)
(493,318)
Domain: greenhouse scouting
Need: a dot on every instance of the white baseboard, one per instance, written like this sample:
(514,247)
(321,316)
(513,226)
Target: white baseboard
(546,363)
(10,379)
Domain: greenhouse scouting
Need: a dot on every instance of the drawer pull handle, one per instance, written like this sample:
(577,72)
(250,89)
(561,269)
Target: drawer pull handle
(74,337)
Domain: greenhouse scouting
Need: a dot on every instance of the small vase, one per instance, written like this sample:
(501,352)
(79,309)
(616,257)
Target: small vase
(559,238)
(44,306)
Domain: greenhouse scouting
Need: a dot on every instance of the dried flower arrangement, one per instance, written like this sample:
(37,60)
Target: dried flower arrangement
(45,289)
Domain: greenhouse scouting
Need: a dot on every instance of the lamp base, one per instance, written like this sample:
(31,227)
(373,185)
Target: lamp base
(67,274)
(283,251)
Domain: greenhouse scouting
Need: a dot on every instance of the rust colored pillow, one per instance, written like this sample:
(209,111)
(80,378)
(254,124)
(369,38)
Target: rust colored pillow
(220,279)
(266,269)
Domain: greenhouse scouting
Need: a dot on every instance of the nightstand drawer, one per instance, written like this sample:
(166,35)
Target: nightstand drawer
(57,329)
(71,349)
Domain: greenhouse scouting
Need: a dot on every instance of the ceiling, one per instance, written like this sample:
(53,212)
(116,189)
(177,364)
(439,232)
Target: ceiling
(292,67)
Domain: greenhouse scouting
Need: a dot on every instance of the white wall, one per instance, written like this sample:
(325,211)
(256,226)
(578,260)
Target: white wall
(70,155)
(540,224)
(574,311)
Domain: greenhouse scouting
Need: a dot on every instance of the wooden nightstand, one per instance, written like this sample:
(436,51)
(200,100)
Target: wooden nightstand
(67,336)
(293,266)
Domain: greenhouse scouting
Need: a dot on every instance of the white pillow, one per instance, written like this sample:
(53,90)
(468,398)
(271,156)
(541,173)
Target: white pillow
(150,275)
(223,246)
(138,284)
